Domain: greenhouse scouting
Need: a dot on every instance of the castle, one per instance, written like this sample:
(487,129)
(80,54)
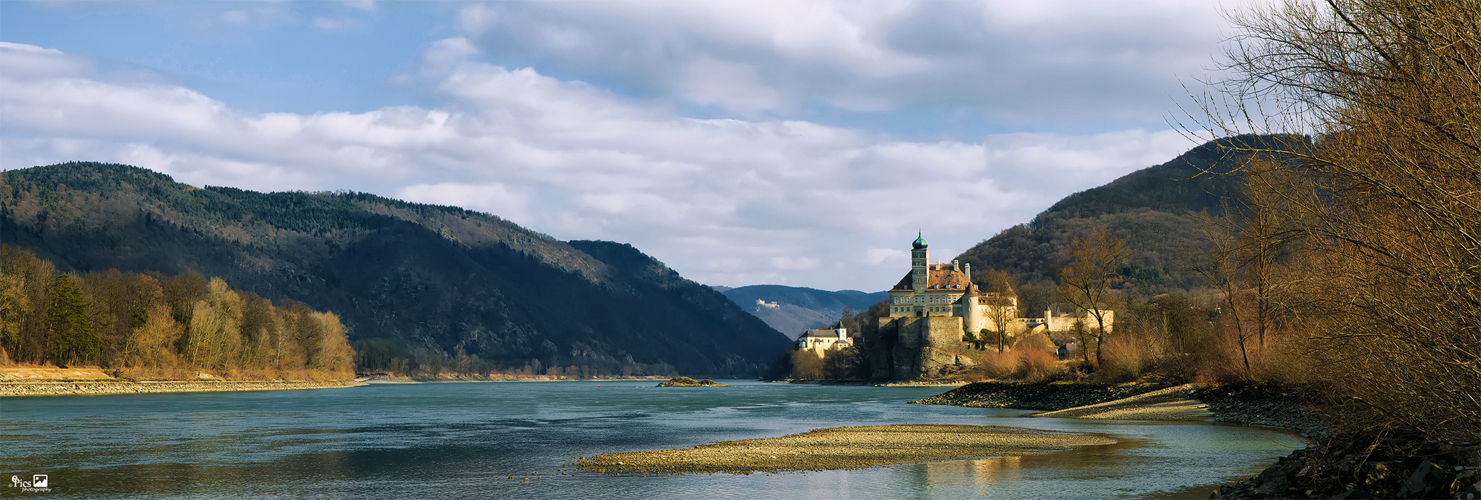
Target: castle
(934,290)
(932,309)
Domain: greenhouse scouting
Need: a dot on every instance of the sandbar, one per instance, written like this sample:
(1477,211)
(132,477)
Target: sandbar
(845,448)
(1170,404)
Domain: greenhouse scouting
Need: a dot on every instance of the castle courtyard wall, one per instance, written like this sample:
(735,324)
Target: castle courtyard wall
(922,345)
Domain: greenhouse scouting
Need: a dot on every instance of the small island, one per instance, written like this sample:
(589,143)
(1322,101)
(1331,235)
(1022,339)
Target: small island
(844,448)
(689,382)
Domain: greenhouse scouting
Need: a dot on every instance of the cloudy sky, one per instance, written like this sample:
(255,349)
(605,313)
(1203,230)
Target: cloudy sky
(740,142)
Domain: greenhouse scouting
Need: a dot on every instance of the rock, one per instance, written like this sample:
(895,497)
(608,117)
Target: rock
(1424,483)
(689,382)
(1353,495)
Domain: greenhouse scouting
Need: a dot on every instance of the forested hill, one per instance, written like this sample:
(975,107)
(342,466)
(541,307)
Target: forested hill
(1152,209)
(417,282)
(793,309)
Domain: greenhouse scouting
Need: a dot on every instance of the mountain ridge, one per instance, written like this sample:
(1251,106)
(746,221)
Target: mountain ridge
(791,310)
(1154,209)
(433,280)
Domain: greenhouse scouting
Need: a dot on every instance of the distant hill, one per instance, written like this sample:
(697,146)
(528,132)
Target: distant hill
(1152,209)
(791,310)
(421,282)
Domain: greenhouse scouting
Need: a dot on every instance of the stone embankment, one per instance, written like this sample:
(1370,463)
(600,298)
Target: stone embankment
(114,387)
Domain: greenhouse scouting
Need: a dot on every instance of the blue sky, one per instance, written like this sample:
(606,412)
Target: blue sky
(741,142)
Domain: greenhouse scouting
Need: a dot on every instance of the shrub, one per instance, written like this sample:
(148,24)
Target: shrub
(1036,364)
(1281,362)
(1034,341)
(991,364)
(1126,357)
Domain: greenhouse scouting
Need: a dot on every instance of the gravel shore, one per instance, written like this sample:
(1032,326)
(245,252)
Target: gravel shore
(114,387)
(1170,404)
(1288,408)
(844,448)
(1047,396)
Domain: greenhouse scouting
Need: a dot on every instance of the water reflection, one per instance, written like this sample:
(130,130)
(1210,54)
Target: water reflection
(466,440)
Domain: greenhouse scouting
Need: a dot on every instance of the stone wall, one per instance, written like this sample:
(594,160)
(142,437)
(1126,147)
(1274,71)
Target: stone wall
(921,345)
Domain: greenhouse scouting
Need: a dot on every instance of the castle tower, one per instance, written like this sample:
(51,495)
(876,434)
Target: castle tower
(971,314)
(920,270)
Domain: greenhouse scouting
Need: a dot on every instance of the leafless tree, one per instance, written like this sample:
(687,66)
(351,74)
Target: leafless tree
(1095,262)
(1388,94)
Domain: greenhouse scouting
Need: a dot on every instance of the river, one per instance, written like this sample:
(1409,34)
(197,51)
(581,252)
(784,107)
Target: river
(466,440)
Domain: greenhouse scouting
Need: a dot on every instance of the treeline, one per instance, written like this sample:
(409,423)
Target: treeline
(388,357)
(152,326)
(432,281)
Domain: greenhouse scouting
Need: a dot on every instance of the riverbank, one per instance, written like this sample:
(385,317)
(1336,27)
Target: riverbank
(1368,466)
(32,380)
(450,378)
(1335,466)
(1288,409)
(844,448)
(1045,396)
(118,387)
(1169,404)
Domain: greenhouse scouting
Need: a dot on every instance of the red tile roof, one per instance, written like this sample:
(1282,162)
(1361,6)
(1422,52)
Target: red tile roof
(943,277)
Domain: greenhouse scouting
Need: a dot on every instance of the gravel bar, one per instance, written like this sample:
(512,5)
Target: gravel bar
(844,448)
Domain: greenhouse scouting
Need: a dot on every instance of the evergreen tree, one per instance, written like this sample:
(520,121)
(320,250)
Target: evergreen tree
(73,338)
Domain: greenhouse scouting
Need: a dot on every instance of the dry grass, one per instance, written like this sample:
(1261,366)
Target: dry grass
(1126,357)
(41,372)
(992,364)
(1283,362)
(1035,365)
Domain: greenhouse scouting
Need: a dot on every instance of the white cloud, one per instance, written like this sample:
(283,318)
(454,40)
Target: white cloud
(724,201)
(731,86)
(35,62)
(1054,62)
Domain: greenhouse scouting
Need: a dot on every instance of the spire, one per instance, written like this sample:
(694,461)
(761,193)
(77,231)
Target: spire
(919,242)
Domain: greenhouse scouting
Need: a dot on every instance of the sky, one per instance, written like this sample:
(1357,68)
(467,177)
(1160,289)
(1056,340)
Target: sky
(739,142)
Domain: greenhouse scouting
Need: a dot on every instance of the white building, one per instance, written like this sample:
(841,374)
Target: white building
(824,339)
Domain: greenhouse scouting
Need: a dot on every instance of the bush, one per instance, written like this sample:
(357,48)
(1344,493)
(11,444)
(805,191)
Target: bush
(1280,362)
(1034,341)
(1125,357)
(991,364)
(1035,365)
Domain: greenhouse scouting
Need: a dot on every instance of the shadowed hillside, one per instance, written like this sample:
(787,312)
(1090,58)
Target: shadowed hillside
(791,310)
(416,285)
(1152,209)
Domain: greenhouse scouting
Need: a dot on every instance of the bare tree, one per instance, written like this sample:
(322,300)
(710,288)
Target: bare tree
(1390,92)
(1001,308)
(1220,266)
(1095,262)
(1251,252)
(1001,311)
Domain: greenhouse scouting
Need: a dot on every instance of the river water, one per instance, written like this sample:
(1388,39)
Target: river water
(466,440)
